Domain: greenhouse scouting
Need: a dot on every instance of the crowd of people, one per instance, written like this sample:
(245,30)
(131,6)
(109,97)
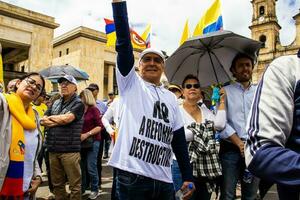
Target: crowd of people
(64,129)
(166,142)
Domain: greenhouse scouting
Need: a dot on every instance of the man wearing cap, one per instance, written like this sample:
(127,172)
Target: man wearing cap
(64,121)
(150,125)
(175,89)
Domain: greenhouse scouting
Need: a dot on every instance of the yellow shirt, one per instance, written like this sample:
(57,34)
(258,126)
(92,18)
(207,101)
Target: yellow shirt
(41,109)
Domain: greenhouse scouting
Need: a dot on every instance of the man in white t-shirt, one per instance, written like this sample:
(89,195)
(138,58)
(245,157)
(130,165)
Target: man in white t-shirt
(150,125)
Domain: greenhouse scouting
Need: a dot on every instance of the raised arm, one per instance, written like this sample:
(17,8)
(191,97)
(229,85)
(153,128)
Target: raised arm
(125,58)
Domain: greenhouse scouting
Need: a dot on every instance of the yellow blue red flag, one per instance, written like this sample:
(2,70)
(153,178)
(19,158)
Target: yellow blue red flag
(136,40)
(110,32)
(211,21)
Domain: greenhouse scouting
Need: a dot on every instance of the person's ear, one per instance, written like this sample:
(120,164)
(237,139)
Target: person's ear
(18,82)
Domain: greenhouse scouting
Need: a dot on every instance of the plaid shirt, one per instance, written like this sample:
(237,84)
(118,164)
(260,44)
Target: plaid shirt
(204,154)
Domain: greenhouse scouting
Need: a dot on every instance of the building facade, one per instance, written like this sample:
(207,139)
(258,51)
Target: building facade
(265,28)
(26,37)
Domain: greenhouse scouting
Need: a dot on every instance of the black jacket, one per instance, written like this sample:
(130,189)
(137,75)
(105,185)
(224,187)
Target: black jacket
(66,138)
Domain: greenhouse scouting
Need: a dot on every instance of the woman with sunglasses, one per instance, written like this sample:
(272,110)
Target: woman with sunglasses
(20,139)
(200,125)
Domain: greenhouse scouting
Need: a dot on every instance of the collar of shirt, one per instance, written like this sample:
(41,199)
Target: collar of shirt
(148,84)
(239,85)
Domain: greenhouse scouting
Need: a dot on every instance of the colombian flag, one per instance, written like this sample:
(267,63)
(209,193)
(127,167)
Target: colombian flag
(136,40)
(211,21)
(110,32)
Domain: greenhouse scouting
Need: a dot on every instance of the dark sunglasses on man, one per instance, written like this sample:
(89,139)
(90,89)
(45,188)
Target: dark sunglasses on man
(189,86)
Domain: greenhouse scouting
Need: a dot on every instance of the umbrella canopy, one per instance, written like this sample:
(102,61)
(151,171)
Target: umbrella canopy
(209,57)
(54,72)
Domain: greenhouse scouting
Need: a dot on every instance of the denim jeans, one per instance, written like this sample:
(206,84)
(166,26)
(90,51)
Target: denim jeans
(136,187)
(233,166)
(89,167)
(201,189)
(92,166)
(176,175)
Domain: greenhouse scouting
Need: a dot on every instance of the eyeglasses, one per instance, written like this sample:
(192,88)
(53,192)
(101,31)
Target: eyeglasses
(189,86)
(32,83)
(146,59)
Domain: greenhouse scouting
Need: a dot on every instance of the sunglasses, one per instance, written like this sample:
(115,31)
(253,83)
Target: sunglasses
(189,86)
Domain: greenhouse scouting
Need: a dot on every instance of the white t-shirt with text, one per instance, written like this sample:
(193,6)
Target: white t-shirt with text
(148,116)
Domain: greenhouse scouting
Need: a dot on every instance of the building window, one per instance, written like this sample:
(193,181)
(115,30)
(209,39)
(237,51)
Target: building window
(261,10)
(60,53)
(263,39)
(67,51)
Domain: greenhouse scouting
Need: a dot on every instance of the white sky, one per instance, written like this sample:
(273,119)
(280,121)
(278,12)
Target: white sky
(166,16)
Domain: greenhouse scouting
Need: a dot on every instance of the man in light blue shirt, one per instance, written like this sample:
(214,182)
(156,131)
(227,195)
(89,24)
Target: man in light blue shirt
(239,96)
(94,88)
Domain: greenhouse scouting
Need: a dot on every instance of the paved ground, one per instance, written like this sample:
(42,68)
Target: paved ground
(43,191)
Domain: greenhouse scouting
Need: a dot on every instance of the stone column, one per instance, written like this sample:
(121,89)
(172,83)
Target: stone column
(110,87)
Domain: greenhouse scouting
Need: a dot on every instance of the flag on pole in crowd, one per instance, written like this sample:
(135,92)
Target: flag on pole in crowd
(110,32)
(185,33)
(1,70)
(137,41)
(211,21)
(147,35)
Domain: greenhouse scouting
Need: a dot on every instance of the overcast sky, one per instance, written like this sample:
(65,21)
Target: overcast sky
(166,16)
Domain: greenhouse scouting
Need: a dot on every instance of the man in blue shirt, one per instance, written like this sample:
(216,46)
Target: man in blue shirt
(94,88)
(239,96)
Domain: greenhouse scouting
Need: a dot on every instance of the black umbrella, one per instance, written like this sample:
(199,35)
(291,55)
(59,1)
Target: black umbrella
(54,72)
(209,57)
